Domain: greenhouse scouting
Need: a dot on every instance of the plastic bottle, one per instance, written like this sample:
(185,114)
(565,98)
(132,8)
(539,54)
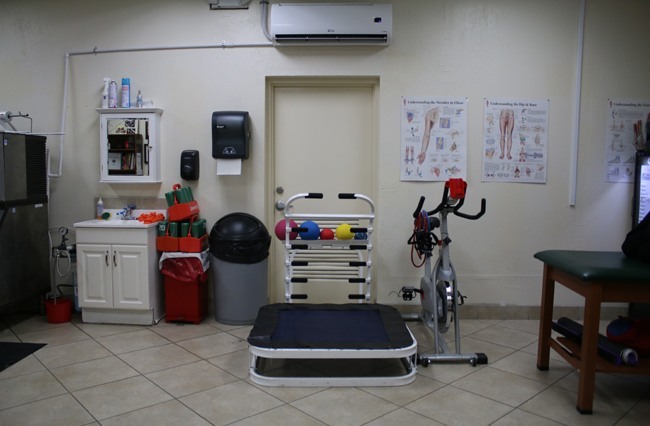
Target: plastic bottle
(112,94)
(138,102)
(100,208)
(126,93)
(107,81)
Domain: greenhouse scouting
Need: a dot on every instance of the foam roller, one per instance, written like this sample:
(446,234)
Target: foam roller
(612,351)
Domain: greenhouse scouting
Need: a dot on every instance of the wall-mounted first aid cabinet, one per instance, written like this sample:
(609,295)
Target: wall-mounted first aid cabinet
(129,145)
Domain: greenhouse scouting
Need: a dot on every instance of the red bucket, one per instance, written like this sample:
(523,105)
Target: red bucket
(58,310)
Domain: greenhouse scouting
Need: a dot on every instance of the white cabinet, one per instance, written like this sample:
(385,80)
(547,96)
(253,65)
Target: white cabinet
(112,274)
(129,145)
(118,275)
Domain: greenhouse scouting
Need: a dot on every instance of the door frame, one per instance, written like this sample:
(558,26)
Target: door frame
(274,82)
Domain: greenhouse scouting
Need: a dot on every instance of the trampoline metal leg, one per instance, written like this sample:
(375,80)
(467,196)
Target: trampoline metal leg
(411,317)
(472,358)
(444,355)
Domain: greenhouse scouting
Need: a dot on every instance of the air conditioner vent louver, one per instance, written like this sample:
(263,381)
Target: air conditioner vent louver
(331,24)
(332,38)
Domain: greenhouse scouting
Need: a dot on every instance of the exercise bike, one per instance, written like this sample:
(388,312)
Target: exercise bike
(439,294)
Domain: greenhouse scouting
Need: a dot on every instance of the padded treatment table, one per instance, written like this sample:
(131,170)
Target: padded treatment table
(599,277)
(355,334)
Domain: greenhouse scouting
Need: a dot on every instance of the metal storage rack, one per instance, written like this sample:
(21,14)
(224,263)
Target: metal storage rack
(329,260)
(336,261)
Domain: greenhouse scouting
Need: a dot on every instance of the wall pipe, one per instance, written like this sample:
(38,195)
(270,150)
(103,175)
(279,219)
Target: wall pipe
(264,5)
(66,74)
(576,106)
(223,45)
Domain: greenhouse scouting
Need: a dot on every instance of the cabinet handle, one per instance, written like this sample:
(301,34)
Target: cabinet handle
(114,260)
(106,259)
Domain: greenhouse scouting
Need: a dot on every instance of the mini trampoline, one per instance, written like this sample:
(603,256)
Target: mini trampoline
(331,345)
(327,344)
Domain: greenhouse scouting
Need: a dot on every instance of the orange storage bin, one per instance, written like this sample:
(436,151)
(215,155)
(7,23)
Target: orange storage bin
(193,245)
(183,211)
(167,243)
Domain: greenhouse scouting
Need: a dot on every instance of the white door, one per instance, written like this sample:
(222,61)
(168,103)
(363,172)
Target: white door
(95,276)
(130,277)
(321,135)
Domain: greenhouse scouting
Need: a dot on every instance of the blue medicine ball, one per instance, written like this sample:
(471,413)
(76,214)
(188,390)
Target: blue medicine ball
(312,232)
(360,236)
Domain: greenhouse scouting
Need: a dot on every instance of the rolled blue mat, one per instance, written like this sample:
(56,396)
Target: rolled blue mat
(612,351)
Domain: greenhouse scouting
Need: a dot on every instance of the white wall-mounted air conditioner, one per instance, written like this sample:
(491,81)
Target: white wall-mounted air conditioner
(331,24)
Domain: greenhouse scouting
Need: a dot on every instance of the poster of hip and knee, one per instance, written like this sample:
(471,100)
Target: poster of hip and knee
(515,135)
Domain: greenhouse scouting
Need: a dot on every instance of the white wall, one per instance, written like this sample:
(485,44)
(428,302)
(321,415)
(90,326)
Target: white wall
(473,48)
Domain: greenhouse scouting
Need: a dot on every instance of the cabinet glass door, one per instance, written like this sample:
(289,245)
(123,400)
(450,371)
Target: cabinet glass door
(128,146)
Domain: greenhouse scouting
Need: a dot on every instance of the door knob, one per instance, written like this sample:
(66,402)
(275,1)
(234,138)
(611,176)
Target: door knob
(280,205)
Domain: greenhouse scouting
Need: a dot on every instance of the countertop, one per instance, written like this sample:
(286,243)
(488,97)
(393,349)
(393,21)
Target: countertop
(116,221)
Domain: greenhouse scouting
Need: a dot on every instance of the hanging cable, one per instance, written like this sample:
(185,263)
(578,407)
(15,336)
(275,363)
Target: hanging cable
(423,239)
(67,266)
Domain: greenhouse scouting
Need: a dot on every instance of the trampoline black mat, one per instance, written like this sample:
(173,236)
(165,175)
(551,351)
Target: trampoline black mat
(329,326)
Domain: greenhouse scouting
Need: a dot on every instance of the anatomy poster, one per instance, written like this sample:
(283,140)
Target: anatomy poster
(628,131)
(515,136)
(433,138)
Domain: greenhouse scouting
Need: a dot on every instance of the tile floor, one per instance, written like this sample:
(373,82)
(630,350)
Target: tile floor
(184,374)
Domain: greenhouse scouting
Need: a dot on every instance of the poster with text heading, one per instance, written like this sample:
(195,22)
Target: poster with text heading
(515,139)
(433,138)
(627,120)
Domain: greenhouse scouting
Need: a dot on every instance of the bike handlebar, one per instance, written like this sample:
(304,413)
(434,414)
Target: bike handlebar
(418,209)
(444,203)
(473,216)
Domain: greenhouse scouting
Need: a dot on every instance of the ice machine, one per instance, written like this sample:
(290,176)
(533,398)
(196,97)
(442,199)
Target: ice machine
(24,242)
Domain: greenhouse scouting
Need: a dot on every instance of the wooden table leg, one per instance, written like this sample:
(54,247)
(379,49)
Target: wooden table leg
(543,347)
(589,348)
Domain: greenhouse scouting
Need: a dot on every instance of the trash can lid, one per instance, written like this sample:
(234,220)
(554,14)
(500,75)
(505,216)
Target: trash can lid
(240,238)
(238,227)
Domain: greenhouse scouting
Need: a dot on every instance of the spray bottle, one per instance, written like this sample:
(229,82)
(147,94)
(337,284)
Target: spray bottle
(100,208)
(107,81)
(126,93)
(112,94)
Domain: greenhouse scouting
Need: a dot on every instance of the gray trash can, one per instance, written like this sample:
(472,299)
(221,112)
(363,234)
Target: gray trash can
(239,251)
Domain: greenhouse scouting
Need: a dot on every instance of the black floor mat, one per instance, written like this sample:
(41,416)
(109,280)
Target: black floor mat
(12,352)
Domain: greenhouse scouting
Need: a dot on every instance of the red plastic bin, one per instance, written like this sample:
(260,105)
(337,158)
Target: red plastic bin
(186,301)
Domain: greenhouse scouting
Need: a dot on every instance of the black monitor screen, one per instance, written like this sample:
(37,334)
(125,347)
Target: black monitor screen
(641,188)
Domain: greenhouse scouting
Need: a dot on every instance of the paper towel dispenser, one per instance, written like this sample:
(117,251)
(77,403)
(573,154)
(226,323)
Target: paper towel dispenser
(230,134)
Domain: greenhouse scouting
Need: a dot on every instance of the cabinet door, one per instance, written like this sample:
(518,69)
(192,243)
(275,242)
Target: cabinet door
(95,275)
(130,277)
